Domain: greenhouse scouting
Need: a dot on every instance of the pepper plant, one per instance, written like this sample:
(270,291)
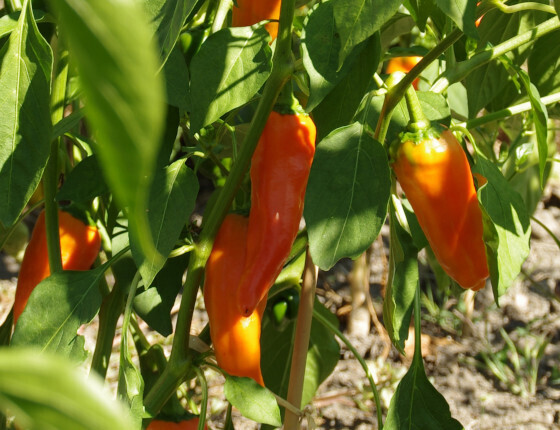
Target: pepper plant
(133,115)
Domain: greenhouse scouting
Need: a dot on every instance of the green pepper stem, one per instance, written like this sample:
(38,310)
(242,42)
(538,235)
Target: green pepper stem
(301,342)
(397,92)
(418,120)
(180,360)
(450,76)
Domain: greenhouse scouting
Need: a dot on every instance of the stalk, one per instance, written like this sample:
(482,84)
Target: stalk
(463,68)
(301,342)
(180,360)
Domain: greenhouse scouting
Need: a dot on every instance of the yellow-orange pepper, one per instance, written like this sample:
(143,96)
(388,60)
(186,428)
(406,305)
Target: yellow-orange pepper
(79,246)
(236,338)
(279,172)
(436,178)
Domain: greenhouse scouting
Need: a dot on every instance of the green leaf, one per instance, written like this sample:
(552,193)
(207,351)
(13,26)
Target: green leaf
(357,20)
(463,13)
(56,309)
(49,393)
(403,279)
(227,71)
(507,229)
(544,63)
(154,304)
(25,120)
(172,201)
(557,6)
(338,107)
(177,80)
(347,195)
(168,18)
(9,23)
(117,62)
(421,10)
(417,405)
(320,51)
(276,350)
(83,183)
(540,119)
(253,401)
(67,123)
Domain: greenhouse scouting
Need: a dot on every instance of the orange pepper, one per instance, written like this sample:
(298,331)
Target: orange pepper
(236,338)
(79,246)
(249,12)
(403,64)
(279,172)
(436,178)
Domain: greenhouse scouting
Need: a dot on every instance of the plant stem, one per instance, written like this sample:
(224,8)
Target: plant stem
(221,14)
(524,6)
(510,111)
(397,92)
(418,120)
(463,68)
(50,177)
(301,342)
(327,324)
(203,406)
(179,360)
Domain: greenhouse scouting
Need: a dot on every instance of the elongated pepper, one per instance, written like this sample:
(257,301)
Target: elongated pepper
(236,338)
(279,172)
(435,176)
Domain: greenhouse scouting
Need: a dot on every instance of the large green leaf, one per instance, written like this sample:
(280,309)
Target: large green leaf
(402,282)
(47,392)
(357,20)
(347,195)
(25,120)
(417,405)
(507,228)
(172,201)
(320,52)
(227,71)
(338,107)
(168,18)
(56,309)
(111,45)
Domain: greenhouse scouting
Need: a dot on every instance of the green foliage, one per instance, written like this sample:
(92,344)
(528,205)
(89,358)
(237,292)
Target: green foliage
(343,211)
(252,400)
(25,123)
(53,394)
(164,101)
